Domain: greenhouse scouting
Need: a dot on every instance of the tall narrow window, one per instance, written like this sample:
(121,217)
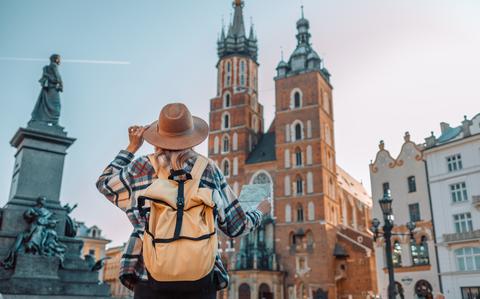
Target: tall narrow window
(397,254)
(227,100)
(412,184)
(226,121)
(309,182)
(226,144)
(226,168)
(297,99)
(299,185)
(228,77)
(298,157)
(309,155)
(287,158)
(235,141)
(414,210)
(242,73)
(299,213)
(311,211)
(287,186)
(459,192)
(298,132)
(454,162)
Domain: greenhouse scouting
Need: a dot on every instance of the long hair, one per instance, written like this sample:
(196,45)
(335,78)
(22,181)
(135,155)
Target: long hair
(171,159)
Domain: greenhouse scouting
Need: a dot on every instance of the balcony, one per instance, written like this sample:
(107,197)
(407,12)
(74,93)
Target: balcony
(461,237)
(476,201)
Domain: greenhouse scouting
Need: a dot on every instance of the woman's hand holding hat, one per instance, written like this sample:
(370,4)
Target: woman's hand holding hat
(135,136)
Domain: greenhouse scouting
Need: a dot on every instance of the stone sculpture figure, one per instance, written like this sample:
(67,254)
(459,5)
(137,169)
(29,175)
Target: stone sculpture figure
(41,238)
(47,108)
(70,225)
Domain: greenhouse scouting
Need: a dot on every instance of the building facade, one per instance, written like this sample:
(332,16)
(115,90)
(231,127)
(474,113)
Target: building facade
(415,262)
(316,244)
(453,161)
(94,243)
(110,274)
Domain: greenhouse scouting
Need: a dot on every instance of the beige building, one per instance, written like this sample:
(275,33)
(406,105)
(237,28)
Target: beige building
(111,270)
(93,243)
(414,260)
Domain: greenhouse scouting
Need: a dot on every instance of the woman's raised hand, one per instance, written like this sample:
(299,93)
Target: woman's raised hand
(135,136)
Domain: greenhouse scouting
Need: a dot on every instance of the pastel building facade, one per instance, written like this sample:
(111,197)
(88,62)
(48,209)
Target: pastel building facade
(414,260)
(453,161)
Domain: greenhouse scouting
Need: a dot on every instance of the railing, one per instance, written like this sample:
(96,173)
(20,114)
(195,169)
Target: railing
(457,237)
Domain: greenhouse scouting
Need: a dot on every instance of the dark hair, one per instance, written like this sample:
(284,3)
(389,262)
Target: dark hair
(54,57)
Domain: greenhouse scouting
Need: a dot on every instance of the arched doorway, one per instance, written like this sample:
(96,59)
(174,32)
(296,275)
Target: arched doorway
(423,289)
(264,292)
(399,292)
(244,291)
(320,294)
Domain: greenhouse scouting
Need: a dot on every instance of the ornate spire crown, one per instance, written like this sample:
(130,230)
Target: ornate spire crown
(236,41)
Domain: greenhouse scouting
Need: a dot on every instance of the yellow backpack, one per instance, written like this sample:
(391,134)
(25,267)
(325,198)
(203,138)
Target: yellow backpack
(180,241)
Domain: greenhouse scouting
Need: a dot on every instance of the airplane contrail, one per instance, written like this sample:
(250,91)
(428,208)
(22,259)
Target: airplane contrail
(67,60)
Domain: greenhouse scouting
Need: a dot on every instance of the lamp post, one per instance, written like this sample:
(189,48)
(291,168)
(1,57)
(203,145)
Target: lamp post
(386,206)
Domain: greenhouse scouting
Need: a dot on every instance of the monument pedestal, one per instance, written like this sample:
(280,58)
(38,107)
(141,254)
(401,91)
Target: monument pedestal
(38,170)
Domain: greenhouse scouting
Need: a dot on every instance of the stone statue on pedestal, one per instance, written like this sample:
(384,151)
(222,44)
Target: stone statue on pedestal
(41,238)
(47,108)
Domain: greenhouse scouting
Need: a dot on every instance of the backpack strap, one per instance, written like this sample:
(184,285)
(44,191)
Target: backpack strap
(199,167)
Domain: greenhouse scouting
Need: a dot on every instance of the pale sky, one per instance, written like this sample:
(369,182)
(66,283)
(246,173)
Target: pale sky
(396,66)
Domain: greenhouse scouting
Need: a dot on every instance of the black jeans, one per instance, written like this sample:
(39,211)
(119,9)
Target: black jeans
(147,290)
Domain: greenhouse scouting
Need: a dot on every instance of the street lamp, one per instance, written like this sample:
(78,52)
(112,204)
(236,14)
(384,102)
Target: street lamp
(387,211)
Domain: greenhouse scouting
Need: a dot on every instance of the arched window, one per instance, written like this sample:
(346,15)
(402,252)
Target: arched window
(297,130)
(397,254)
(328,136)
(288,213)
(298,157)
(299,185)
(226,144)
(226,120)
(419,252)
(299,213)
(261,178)
(215,145)
(309,129)
(227,100)
(264,292)
(311,211)
(296,98)
(244,291)
(254,123)
(226,168)
(310,240)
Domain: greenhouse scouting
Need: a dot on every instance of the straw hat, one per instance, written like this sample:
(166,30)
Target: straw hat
(176,129)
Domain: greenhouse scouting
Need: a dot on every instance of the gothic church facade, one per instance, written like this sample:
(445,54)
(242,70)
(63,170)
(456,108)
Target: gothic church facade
(316,244)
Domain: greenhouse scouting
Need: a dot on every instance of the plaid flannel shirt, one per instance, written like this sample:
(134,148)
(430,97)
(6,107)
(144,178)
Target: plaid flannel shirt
(121,182)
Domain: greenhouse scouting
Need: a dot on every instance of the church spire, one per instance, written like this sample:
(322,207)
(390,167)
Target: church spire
(236,40)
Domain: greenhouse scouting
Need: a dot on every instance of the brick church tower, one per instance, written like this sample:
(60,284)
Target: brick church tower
(236,117)
(316,244)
